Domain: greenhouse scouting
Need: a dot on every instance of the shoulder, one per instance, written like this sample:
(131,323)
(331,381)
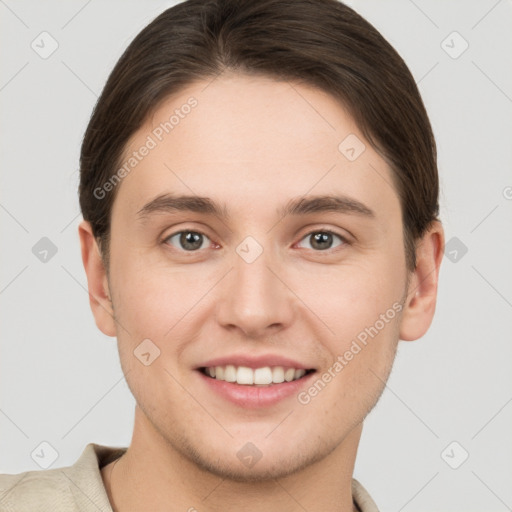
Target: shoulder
(72,488)
(362,498)
(35,490)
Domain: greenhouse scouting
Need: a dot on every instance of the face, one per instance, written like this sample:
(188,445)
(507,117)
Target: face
(271,308)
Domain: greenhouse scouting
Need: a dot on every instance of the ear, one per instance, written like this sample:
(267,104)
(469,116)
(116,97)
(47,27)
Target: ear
(99,293)
(421,298)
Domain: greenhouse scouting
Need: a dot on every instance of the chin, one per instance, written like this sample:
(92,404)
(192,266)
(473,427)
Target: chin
(249,464)
(261,471)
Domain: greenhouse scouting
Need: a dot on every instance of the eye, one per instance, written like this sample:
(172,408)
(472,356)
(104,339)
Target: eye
(323,240)
(189,241)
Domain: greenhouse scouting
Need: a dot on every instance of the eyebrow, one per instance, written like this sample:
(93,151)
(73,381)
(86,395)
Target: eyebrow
(168,203)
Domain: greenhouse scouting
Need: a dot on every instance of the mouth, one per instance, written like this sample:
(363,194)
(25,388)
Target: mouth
(266,376)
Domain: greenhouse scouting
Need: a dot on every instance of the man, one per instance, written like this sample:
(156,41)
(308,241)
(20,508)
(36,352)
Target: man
(260,199)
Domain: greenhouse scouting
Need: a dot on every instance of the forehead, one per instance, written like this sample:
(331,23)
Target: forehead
(250,140)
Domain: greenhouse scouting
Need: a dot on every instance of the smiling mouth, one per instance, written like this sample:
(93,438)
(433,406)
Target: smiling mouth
(265,376)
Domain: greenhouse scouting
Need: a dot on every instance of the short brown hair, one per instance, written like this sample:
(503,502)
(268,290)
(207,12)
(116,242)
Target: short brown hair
(321,43)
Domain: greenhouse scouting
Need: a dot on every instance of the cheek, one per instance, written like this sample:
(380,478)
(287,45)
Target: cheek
(361,305)
(153,297)
(168,307)
(345,391)
(349,297)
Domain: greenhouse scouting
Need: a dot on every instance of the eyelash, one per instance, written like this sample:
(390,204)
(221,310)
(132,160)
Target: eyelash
(344,240)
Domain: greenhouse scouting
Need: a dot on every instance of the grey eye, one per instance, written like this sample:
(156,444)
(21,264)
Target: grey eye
(188,240)
(322,240)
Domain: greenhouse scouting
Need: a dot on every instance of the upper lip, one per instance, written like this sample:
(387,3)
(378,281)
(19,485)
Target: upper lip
(255,361)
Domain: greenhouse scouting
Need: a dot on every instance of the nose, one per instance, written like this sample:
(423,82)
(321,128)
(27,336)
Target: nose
(255,298)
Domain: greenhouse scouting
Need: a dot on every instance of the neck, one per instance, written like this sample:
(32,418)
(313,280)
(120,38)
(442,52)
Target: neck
(152,475)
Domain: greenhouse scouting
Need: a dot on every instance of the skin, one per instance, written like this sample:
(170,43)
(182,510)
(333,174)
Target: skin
(253,144)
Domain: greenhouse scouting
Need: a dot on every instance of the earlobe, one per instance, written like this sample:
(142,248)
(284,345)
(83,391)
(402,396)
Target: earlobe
(421,298)
(99,293)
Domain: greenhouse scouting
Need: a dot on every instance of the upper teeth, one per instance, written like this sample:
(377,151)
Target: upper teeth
(245,375)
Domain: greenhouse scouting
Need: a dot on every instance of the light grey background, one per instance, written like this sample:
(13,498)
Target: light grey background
(60,377)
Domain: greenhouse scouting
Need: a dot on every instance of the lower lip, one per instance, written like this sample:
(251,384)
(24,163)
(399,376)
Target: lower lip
(255,396)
